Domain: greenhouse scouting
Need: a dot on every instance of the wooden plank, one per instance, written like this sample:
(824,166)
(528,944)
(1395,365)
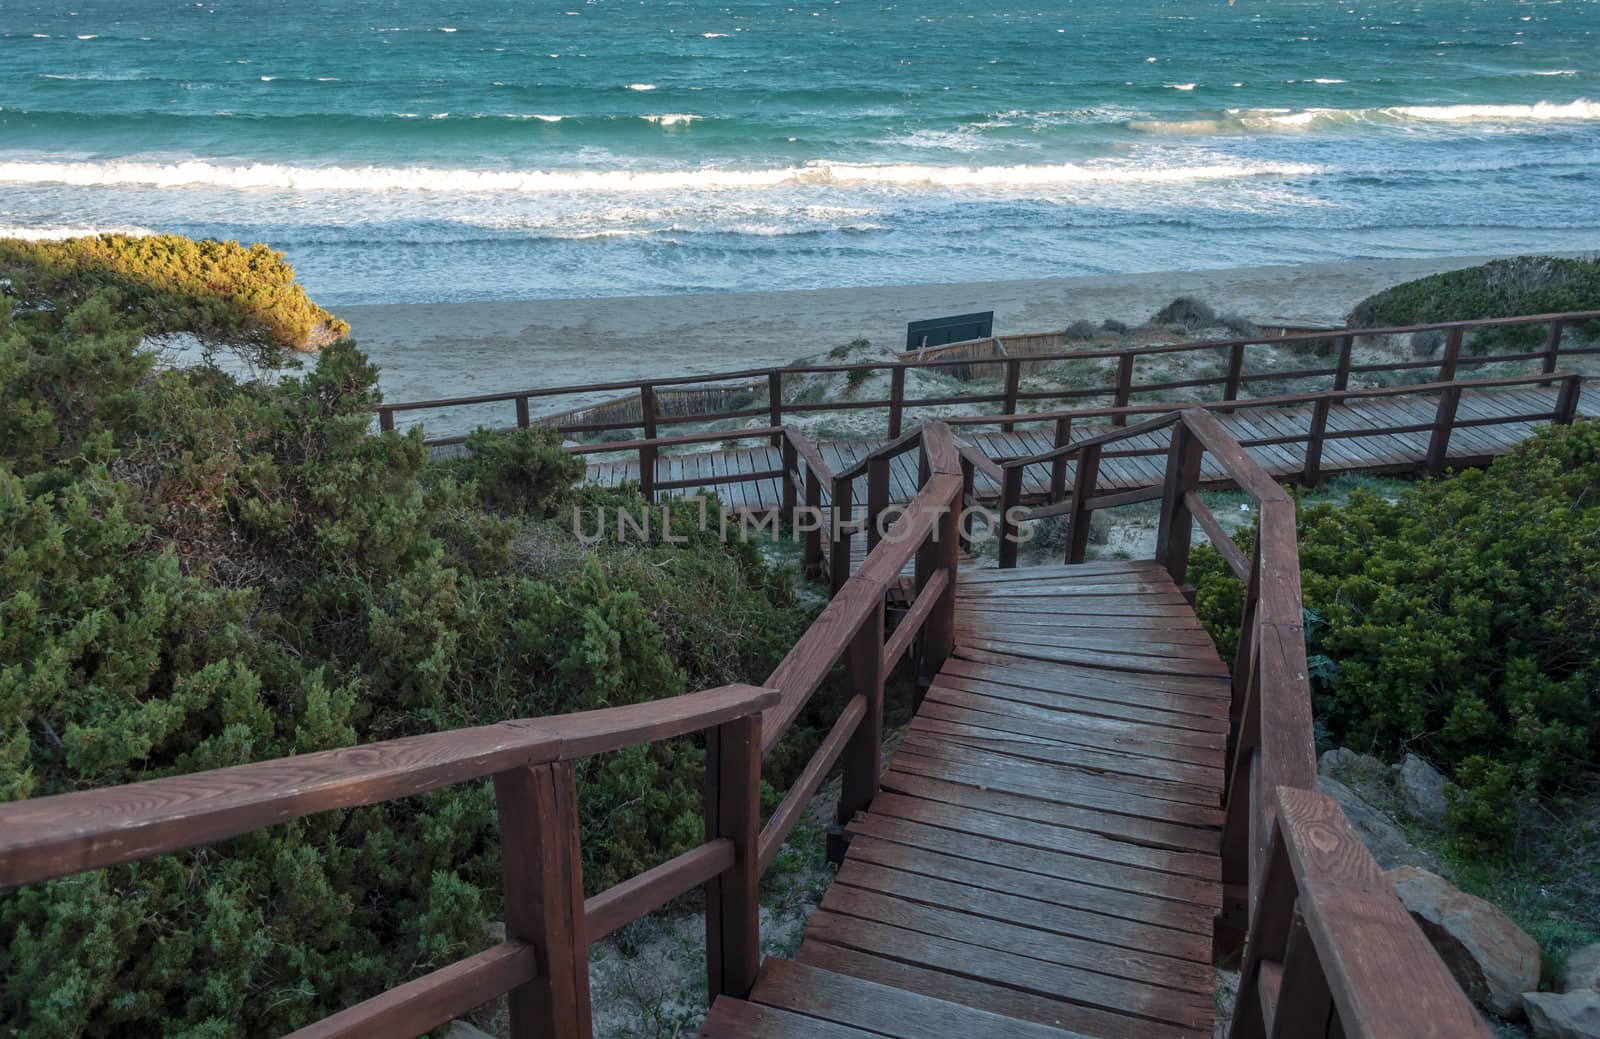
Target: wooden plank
(880,1009)
(1146,922)
(1006,999)
(985,932)
(1086,681)
(1158,945)
(1085,988)
(1073,755)
(736,1019)
(1132,829)
(1018,720)
(1135,794)
(1073,841)
(1058,864)
(1175,710)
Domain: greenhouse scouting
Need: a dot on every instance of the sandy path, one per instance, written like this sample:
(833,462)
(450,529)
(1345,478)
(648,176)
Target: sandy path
(453,349)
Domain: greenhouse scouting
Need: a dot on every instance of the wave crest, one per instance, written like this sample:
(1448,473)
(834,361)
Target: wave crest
(1268,119)
(271,176)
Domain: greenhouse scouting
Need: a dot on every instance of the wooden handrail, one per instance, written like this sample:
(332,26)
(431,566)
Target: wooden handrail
(1333,951)
(750,374)
(1121,390)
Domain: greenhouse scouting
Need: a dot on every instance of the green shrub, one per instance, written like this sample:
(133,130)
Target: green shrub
(221,292)
(1114,327)
(1186,312)
(201,572)
(1500,288)
(1082,329)
(1461,619)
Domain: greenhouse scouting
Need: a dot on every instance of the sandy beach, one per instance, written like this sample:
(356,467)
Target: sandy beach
(455,349)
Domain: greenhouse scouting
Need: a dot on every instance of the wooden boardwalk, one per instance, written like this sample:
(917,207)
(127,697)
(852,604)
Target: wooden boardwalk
(1379,452)
(1043,859)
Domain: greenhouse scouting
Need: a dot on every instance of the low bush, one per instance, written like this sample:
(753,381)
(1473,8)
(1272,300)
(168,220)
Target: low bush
(1462,620)
(1114,327)
(223,293)
(1082,330)
(201,572)
(1500,288)
(1187,312)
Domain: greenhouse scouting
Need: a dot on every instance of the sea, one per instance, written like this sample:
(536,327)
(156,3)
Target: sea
(439,150)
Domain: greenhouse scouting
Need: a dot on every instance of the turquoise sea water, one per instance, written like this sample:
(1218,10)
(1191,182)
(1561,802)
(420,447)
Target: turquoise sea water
(442,150)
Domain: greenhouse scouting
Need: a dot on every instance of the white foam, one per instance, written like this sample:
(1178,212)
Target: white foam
(1181,86)
(671,118)
(447,28)
(641,86)
(713,35)
(56,233)
(1554,72)
(1327,81)
(88,36)
(1241,120)
(275,177)
(1543,111)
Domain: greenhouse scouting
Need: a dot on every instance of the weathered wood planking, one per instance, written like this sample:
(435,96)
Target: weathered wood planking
(1045,849)
(1371,452)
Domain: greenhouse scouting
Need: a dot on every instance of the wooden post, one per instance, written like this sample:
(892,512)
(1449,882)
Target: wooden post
(1270,929)
(791,472)
(1311,474)
(968,476)
(1082,490)
(522,413)
(1230,388)
(1013,377)
(1010,497)
(775,404)
(1567,400)
(386,419)
(1443,421)
(1304,1004)
(811,558)
(1176,528)
(1058,466)
(543,873)
(1452,355)
(733,811)
(1552,347)
(897,399)
(877,498)
(940,552)
(862,758)
(1124,387)
(647,454)
(839,552)
(1341,374)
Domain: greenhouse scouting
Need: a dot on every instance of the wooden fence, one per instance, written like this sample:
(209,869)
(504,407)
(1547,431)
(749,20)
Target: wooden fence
(1238,363)
(542,966)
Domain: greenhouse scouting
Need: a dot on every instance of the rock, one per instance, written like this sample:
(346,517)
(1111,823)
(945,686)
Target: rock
(1571,1015)
(1422,790)
(1382,837)
(1492,958)
(1362,773)
(462,1030)
(1583,970)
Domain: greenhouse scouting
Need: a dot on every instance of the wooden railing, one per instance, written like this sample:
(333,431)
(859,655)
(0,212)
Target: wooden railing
(1236,376)
(1091,451)
(1287,871)
(543,963)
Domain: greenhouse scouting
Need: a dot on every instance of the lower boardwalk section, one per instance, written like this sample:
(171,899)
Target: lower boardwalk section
(1043,857)
(1367,452)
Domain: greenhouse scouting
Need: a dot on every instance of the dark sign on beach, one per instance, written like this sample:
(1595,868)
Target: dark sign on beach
(941,330)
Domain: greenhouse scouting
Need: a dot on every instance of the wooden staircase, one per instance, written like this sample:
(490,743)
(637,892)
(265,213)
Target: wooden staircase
(1043,857)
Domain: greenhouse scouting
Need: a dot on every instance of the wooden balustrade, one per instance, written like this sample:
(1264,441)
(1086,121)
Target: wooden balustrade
(542,966)
(1122,390)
